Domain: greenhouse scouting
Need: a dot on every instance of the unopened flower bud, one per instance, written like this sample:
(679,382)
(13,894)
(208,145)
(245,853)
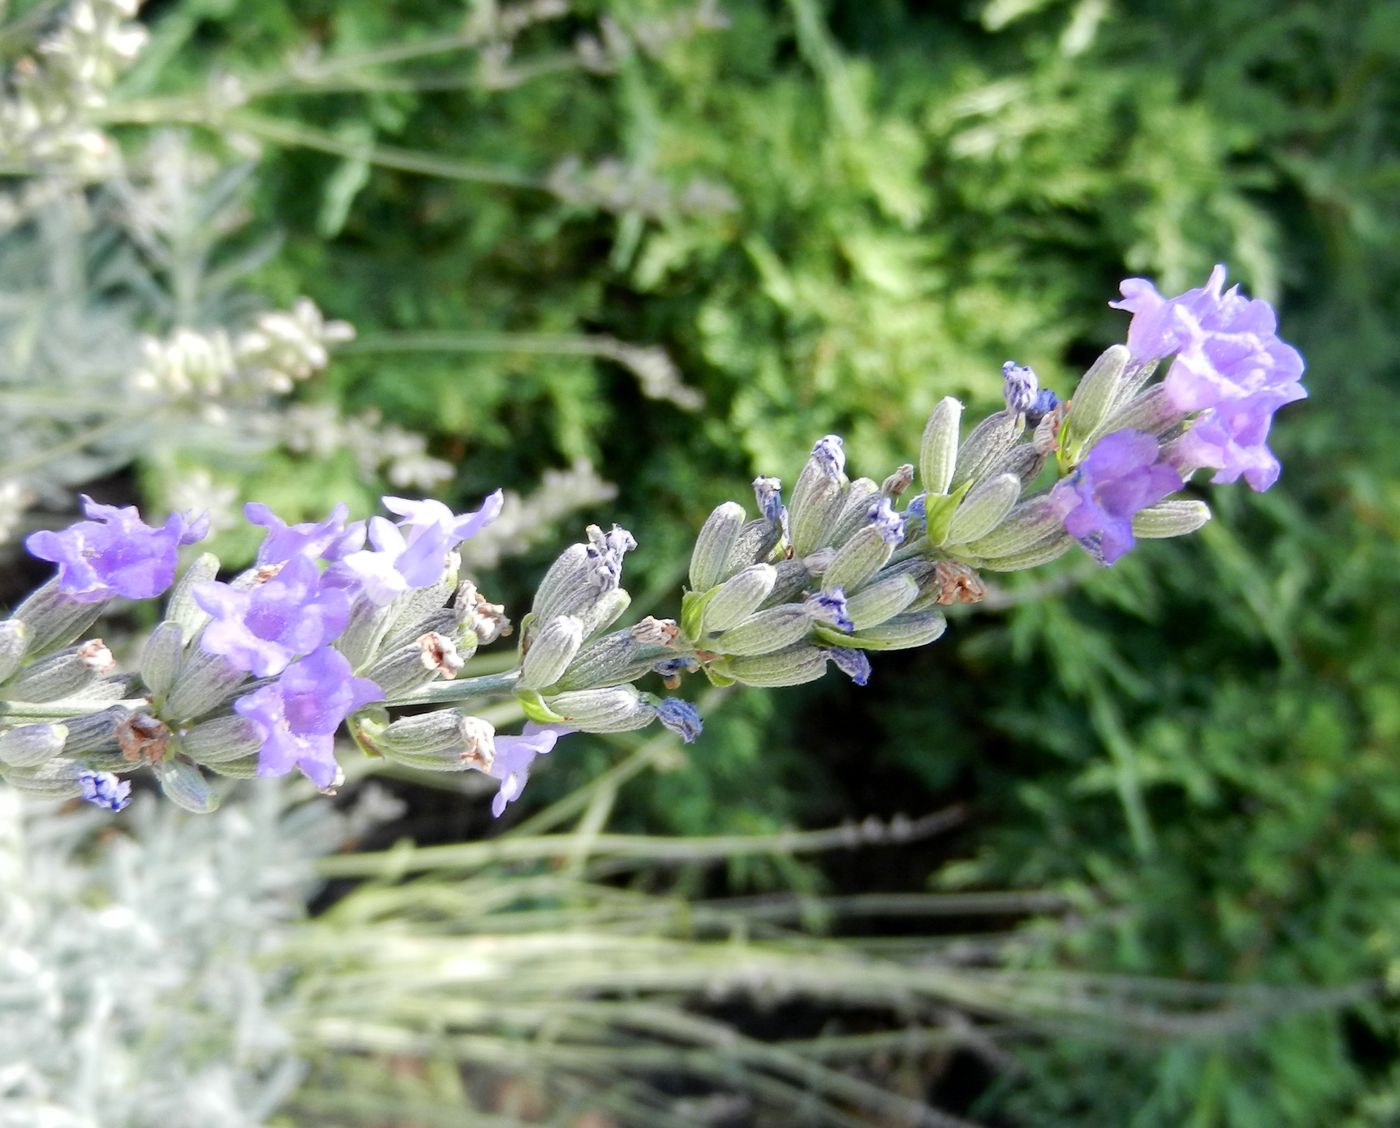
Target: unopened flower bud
(568,586)
(793,577)
(54,620)
(614,659)
(552,648)
(900,633)
(185,785)
(857,560)
(205,682)
(28,745)
(983,509)
(53,779)
(617,709)
(793,665)
(854,512)
(753,545)
(161,656)
(604,612)
(1098,393)
(817,498)
(50,679)
(938,451)
(1050,549)
(714,545)
(1027,526)
(180,606)
(828,606)
(94,732)
(221,740)
(738,597)
(14,640)
(1170,519)
(880,601)
(768,493)
(987,445)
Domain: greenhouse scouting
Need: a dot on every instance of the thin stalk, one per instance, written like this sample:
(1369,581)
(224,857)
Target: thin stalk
(303,136)
(549,344)
(647,849)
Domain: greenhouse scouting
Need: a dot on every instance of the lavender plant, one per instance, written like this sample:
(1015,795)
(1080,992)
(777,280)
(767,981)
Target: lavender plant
(351,623)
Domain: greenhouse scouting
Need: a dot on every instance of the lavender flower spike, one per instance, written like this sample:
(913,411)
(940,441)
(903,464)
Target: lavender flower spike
(1120,477)
(115,553)
(298,715)
(1230,365)
(515,755)
(103,789)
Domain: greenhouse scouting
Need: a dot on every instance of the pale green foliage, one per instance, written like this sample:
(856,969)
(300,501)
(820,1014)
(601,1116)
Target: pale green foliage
(140,977)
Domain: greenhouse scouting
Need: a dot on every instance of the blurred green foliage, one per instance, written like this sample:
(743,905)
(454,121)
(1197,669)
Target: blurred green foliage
(1200,745)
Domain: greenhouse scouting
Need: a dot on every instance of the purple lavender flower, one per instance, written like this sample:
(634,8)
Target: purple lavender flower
(298,715)
(853,663)
(829,607)
(330,539)
(889,523)
(428,517)
(1121,476)
(681,717)
(1019,387)
(413,553)
(115,553)
(1230,366)
(104,789)
(261,629)
(515,754)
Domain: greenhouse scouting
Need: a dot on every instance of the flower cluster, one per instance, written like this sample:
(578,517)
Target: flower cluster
(348,623)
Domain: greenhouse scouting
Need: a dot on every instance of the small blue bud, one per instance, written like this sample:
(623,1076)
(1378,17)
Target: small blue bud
(830,456)
(1045,402)
(768,492)
(680,717)
(105,790)
(829,607)
(889,523)
(853,663)
(917,507)
(1019,387)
